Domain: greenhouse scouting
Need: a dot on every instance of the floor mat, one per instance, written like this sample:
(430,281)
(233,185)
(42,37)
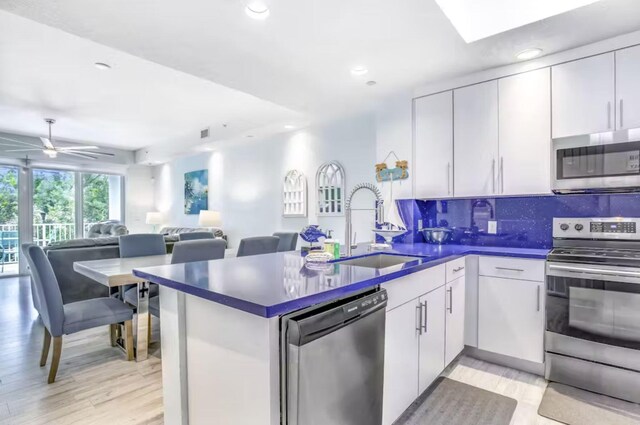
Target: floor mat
(449,402)
(574,406)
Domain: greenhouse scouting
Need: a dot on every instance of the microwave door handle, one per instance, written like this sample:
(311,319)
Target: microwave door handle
(599,272)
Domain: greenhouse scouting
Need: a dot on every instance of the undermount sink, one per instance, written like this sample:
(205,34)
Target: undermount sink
(379,261)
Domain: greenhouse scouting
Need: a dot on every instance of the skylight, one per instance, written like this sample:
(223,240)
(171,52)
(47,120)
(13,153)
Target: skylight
(478,19)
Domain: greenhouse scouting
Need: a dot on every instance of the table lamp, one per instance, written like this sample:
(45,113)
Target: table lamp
(154,218)
(209,218)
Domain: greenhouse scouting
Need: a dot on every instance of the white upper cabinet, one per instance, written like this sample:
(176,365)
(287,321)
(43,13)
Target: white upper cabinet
(433,145)
(583,96)
(476,139)
(628,88)
(525,133)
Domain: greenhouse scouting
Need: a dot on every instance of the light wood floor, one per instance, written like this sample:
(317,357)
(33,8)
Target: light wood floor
(96,385)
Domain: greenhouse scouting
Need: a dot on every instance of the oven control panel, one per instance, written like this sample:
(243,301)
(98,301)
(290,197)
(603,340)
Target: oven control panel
(619,228)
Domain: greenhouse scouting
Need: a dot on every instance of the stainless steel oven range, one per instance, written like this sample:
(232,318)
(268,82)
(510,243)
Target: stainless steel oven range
(592,338)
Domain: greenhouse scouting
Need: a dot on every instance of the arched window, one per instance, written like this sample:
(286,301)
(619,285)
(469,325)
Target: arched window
(330,182)
(294,194)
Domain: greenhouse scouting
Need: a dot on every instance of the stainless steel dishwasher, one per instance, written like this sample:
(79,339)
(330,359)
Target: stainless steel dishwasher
(332,362)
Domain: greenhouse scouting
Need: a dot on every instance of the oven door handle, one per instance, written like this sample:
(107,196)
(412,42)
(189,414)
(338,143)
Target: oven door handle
(601,272)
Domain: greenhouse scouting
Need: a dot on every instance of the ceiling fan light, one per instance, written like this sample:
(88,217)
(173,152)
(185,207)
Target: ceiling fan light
(50,153)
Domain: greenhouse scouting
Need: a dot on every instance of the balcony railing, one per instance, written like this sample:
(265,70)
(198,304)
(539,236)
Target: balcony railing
(43,235)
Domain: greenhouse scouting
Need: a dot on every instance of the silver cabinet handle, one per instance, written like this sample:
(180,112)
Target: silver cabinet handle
(419,314)
(538,295)
(425,317)
(509,269)
(501,174)
(608,114)
(621,114)
(450,300)
(448,178)
(459,269)
(493,175)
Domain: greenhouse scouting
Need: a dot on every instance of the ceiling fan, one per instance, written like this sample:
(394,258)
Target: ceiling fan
(49,149)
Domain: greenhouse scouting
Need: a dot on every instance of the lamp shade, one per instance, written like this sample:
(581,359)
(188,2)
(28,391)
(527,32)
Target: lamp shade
(209,218)
(154,218)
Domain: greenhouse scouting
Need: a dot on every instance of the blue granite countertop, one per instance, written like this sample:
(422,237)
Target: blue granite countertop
(274,284)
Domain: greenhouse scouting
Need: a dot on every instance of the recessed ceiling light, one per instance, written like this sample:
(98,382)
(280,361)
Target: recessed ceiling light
(257,10)
(371,83)
(289,127)
(249,135)
(102,66)
(359,70)
(475,20)
(529,54)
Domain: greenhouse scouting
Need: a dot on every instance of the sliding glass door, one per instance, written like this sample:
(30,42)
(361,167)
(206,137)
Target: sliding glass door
(53,206)
(9,230)
(101,199)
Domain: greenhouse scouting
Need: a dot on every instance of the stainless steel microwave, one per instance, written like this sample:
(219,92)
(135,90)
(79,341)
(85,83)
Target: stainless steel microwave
(603,162)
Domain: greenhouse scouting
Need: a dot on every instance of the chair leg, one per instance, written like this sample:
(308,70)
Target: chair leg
(113,333)
(149,329)
(45,347)
(128,332)
(55,359)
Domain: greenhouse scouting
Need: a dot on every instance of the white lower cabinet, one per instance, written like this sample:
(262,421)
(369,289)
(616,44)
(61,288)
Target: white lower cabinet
(455,317)
(432,338)
(511,317)
(400,360)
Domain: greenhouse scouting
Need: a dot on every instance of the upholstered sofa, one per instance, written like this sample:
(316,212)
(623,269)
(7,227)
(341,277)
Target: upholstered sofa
(106,229)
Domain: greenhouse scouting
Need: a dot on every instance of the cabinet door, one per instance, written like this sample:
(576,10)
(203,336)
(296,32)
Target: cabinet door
(454,318)
(525,133)
(583,95)
(433,149)
(475,147)
(628,88)
(431,362)
(400,360)
(511,317)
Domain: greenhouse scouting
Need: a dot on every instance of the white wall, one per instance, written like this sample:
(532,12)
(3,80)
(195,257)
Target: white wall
(139,198)
(245,179)
(394,133)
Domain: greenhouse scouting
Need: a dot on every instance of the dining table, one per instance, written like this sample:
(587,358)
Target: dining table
(118,273)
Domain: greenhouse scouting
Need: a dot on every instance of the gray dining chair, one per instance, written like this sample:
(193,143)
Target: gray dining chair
(288,241)
(258,245)
(190,236)
(189,252)
(141,245)
(198,250)
(64,319)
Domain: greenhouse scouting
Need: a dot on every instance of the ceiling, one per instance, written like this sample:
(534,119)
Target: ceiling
(45,72)
(296,60)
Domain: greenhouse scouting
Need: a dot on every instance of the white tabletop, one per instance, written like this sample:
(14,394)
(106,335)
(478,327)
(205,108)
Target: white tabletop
(119,271)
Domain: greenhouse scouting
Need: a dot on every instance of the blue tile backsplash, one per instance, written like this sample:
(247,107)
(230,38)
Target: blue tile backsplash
(523,222)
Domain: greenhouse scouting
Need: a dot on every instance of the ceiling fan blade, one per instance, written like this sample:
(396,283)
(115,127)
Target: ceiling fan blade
(19,142)
(47,143)
(76,148)
(23,150)
(91,152)
(79,155)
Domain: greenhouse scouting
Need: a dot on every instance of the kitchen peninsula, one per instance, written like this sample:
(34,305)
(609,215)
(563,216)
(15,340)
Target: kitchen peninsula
(220,322)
